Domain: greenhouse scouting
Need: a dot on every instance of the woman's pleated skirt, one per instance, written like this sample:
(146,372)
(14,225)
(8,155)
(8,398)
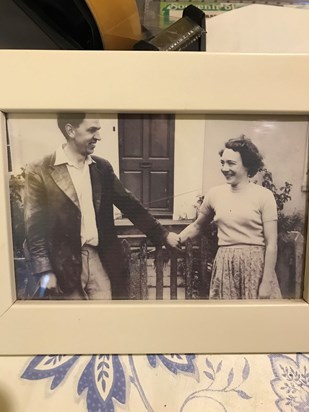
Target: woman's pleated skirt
(237,273)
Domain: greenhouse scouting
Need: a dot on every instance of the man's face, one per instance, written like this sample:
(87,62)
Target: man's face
(85,136)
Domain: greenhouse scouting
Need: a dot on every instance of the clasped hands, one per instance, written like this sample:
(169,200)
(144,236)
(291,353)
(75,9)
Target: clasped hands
(173,241)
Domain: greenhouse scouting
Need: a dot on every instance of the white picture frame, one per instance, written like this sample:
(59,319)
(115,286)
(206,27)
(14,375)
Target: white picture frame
(112,82)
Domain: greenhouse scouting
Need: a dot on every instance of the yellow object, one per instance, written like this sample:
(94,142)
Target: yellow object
(118,22)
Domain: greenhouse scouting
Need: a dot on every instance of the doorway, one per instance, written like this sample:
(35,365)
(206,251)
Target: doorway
(146,159)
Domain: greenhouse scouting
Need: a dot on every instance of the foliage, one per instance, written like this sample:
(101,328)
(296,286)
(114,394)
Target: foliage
(16,185)
(199,201)
(282,195)
(286,223)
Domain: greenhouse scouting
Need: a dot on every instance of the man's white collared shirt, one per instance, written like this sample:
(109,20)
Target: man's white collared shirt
(82,183)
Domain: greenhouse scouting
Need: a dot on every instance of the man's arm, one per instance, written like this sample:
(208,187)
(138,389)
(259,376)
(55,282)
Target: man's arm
(139,215)
(35,215)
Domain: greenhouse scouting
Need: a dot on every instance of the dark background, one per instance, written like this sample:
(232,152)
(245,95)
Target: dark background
(18,31)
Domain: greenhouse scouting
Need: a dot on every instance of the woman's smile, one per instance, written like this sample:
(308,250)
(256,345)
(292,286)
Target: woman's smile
(228,175)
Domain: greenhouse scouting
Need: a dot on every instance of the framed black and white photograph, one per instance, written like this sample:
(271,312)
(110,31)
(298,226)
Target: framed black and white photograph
(171,164)
(137,205)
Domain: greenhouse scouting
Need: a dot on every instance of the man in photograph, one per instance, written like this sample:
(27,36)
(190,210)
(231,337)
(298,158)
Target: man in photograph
(70,235)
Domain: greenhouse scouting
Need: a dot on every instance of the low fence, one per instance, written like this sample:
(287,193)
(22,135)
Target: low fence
(188,271)
(142,259)
(192,267)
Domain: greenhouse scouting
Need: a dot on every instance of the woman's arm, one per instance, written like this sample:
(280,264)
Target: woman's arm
(196,227)
(270,234)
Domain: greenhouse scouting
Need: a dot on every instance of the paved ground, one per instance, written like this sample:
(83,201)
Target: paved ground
(166,282)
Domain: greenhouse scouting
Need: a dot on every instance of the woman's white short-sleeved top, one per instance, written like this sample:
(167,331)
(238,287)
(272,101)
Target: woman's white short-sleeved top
(240,213)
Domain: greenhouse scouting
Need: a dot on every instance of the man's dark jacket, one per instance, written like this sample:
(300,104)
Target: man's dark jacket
(53,222)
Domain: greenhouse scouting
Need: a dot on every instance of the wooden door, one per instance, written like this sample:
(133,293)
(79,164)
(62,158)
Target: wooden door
(146,150)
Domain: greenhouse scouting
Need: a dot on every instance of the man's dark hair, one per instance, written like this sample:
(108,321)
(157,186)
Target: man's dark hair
(250,155)
(74,119)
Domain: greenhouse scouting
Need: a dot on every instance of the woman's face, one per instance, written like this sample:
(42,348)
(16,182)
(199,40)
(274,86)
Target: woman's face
(233,168)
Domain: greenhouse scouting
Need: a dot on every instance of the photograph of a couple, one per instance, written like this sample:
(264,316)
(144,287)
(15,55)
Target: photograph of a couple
(157,206)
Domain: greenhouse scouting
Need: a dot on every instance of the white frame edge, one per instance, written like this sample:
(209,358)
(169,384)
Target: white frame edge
(47,81)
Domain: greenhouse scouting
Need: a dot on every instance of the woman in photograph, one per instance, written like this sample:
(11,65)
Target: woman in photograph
(246,217)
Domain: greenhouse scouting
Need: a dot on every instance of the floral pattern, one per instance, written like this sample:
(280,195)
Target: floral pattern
(217,384)
(42,367)
(104,378)
(107,383)
(291,383)
(174,363)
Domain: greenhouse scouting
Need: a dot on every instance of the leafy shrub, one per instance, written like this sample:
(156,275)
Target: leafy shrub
(16,185)
(286,223)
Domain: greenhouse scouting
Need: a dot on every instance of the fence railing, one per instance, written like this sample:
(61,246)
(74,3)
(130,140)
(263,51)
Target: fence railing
(190,270)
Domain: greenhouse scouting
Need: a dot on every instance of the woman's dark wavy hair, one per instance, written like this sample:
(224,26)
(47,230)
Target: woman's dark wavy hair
(250,155)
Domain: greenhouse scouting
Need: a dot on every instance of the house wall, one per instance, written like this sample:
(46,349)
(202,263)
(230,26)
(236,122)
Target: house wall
(189,152)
